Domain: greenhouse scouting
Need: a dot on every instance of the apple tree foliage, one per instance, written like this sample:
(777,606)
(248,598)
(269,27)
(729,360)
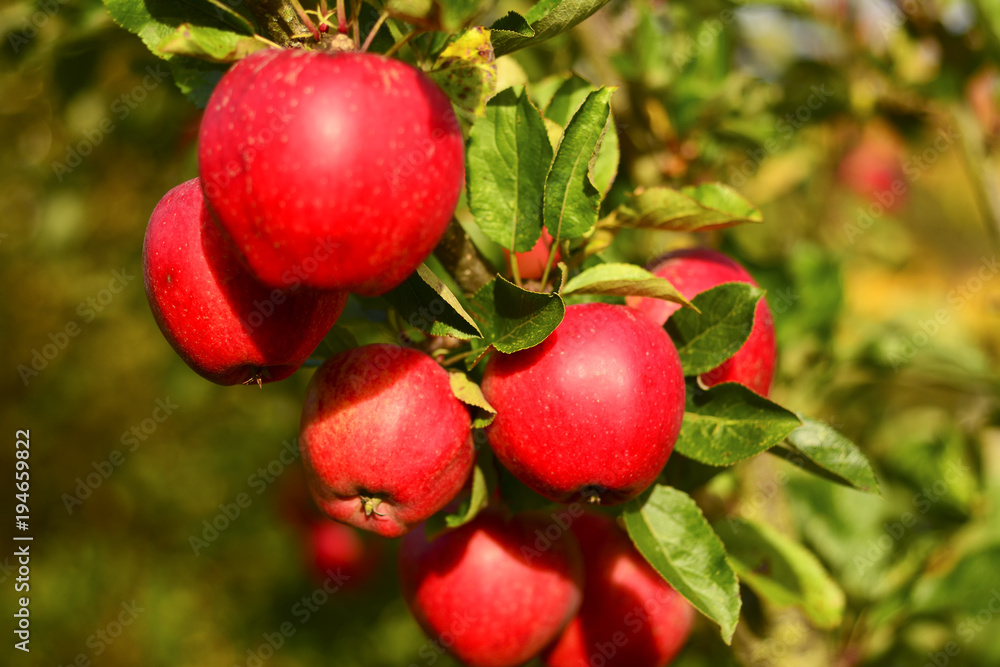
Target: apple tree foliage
(543,151)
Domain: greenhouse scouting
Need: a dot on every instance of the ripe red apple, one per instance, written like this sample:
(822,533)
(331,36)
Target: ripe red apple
(384,440)
(874,168)
(593,412)
(694,270)
(334,547)
(531,263)
(630,616)
(341,170)
(495,591)
(223,323)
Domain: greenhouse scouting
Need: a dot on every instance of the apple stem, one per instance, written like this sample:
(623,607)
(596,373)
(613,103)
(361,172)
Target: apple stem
(356,15)
(341,17)
(458,357)
(374,31)
(548,263)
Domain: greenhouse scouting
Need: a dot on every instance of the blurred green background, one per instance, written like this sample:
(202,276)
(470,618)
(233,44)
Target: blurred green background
(866,130)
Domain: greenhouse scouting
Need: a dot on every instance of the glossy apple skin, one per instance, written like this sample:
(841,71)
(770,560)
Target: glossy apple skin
(493,592)
(531,264)
(341,170)
(381,421)
(695,270)
(224,324)
(630,616)
(593,412)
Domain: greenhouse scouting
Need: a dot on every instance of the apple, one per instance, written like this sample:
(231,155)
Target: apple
(333,547)
(695,270)
(384,440)
(873,168)
(495,591)
(531,263)
(630,616)
(340,170)
(224,324)
(593,412)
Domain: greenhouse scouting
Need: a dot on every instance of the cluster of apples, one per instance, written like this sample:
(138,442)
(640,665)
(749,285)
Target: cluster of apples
(307,191)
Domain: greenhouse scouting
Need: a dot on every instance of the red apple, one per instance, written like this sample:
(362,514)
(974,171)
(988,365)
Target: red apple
(334,547)
(223,323)
(384,440)
(495,591)
(630,616)
(874,168)
(695,270)
(593,412)
(531,263)
(342,170)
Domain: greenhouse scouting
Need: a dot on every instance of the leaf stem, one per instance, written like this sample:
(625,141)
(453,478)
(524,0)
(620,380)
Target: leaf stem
(371,35)
(305,19)
(398,45)
(458,357)
(356,15)
(551,260)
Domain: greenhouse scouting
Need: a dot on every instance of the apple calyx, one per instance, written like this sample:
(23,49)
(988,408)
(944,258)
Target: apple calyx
(370,504)
(592,494)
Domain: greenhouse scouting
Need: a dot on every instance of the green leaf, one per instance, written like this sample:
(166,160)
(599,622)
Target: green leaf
(671,533)
(544,20)
(512,318)
(700,208)
(623,280)
(832,453)
(445,15)
(571,200)
(221,46)
(729,423)
(467,72)
(468,392)
(566,100)
(507,161)
(781,570)
(718,329)
(484,478)
(337,340)
(426,303)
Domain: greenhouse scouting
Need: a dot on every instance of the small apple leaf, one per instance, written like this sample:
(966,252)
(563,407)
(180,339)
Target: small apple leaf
(729,423)
(426,303)
(781,570)
(671,533)
(572,200)
(716,328)
(544,20)
(468,392)
(507,161)
(467,71)
(836,458)
(512,318)
(568,98)
(623,280)
(484,479)
(221,46)
(692,209)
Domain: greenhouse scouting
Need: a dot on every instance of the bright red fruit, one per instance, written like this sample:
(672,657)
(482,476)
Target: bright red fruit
(531,264)
(695,270)
(223,323)
(341,170)
(630,616)
(593,412)
(496,591)
(385,442)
